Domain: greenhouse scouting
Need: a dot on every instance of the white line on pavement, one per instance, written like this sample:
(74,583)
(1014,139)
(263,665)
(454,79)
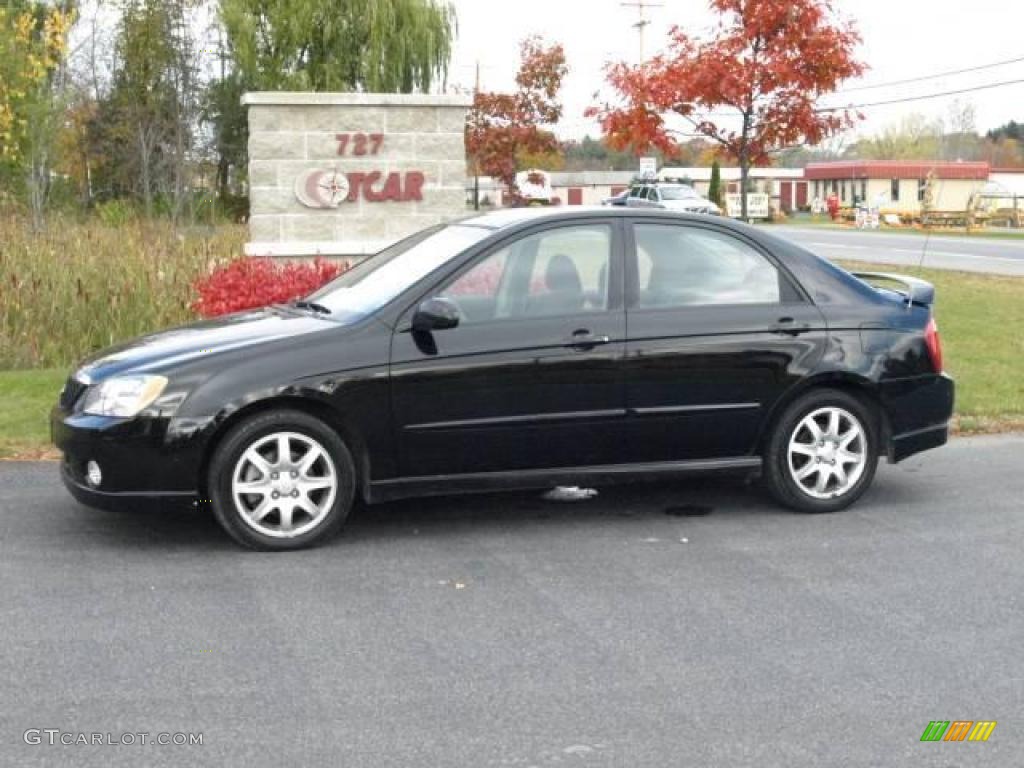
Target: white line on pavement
(917,252)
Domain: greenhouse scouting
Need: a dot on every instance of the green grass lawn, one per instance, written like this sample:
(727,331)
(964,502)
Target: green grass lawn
(25,401)
(981,320)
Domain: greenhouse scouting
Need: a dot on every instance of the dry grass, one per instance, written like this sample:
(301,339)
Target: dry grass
(80,287)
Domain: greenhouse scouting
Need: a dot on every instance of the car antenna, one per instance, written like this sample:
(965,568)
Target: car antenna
(924,251)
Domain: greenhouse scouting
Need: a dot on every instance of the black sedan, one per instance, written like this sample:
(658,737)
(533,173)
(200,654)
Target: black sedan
(519,349)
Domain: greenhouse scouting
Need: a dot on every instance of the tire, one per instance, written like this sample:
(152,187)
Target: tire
(291,506)
(795,450)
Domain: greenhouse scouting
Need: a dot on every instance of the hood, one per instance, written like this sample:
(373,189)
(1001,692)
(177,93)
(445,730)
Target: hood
(690,204)
(166,349)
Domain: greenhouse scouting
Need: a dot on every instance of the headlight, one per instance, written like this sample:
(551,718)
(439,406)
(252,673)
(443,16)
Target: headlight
(123,396)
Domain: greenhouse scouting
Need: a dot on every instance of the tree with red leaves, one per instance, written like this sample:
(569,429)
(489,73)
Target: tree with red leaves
(751,86)
(502,125)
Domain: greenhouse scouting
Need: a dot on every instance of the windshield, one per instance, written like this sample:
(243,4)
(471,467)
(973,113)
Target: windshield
(374,282)
(677,193)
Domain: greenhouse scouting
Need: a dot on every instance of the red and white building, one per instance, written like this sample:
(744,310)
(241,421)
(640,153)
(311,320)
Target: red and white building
(898,186)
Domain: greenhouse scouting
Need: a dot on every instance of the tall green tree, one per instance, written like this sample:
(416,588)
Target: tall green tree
(1010,130)
(391,46)
(222,110)
(147,121)
(715,185)
(384,46)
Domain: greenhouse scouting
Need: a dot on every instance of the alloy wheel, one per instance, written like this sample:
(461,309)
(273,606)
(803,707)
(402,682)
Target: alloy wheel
(284,484)
(827,452)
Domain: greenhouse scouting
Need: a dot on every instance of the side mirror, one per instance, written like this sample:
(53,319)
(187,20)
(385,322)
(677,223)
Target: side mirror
(436,314)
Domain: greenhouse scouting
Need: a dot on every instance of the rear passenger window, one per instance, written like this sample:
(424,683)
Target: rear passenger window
(693,267)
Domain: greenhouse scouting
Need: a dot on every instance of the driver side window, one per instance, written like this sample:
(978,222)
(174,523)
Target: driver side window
(562,271)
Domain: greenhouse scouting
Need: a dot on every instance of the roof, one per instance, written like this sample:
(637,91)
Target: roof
(590,178)
(893,169)
(509,217)
(728,173)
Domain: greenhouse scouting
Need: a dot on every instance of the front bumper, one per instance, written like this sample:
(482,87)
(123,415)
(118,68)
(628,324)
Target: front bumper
(121,501)
(138,465)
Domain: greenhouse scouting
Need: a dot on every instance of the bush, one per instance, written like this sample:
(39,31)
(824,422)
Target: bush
(248,283)
(116,213)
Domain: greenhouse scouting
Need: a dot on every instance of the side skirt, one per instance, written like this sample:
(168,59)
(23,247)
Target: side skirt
(526,479)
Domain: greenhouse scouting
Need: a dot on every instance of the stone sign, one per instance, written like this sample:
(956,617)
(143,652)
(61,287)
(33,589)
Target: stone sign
(347,174)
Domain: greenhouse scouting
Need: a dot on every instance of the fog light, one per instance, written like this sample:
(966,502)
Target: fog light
(93,474)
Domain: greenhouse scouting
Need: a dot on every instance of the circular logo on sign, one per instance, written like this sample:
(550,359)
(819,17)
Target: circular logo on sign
(321,189)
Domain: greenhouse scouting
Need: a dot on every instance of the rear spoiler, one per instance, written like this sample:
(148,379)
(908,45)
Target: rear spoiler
(916,291)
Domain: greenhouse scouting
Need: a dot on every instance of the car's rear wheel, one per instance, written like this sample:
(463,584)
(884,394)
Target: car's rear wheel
(823,452)
(281,480)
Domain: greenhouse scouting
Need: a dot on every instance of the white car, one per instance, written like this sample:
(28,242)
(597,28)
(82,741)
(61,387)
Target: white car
(672,197)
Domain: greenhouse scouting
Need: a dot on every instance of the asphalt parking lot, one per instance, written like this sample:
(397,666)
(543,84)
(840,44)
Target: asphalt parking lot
(688,624)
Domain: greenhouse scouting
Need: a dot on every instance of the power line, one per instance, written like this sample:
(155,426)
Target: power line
(887,102)
(921,78)
(923,97)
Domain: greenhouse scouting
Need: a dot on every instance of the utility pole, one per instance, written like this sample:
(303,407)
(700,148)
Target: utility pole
(641,6)
(476,162)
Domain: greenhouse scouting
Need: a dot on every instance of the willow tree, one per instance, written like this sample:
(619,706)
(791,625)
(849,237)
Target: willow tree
(390,46)
(382,46)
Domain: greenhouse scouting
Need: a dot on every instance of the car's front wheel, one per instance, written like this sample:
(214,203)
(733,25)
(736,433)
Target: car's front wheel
(823,452)
(281,480)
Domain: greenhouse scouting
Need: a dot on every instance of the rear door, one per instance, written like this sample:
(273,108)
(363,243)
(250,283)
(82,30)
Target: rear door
(532,377)
(717,331)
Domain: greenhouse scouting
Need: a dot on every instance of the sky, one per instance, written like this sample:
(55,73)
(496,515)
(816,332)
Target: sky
(901,39)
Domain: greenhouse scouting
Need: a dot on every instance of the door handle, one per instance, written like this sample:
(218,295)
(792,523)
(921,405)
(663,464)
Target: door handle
(584,339)
(787,326)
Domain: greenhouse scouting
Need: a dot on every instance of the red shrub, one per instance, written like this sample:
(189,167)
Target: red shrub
(247,283)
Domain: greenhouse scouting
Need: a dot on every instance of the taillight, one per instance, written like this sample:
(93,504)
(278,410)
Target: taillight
(934,344)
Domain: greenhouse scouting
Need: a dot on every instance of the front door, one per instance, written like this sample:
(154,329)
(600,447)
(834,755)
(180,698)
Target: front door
(786,196)
(532,376)
(717,332)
